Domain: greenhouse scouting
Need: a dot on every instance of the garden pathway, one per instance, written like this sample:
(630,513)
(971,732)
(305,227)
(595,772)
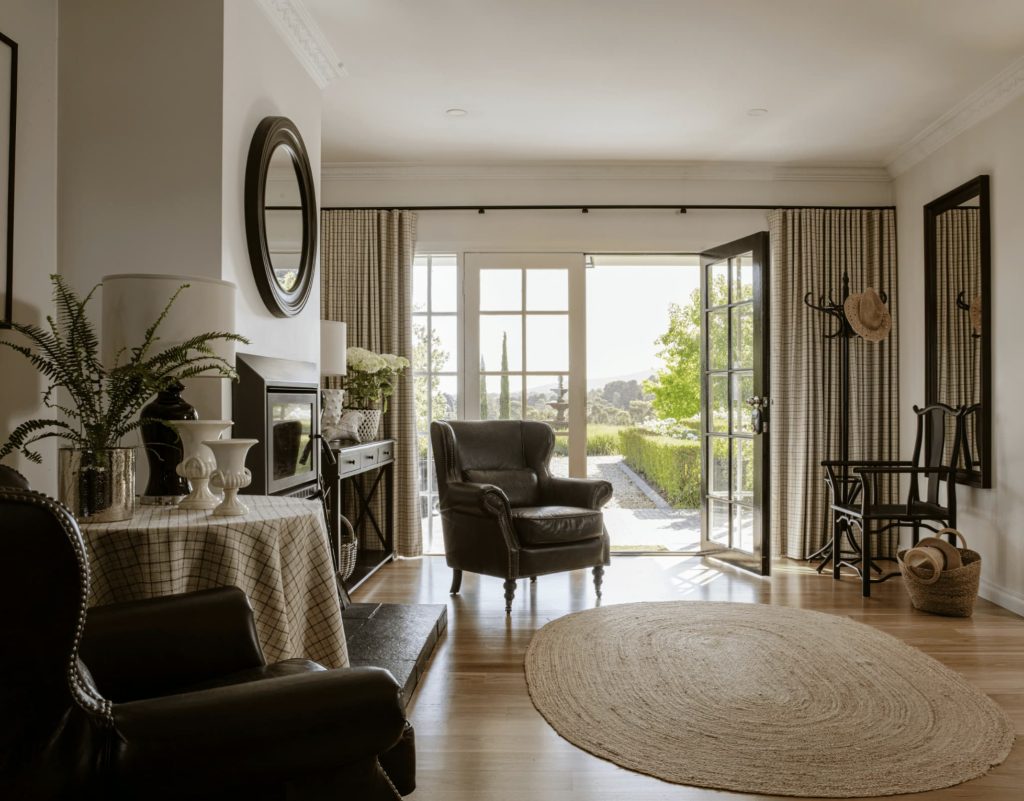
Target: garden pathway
(634,521)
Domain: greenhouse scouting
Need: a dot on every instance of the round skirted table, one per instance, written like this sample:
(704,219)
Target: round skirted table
(277,553)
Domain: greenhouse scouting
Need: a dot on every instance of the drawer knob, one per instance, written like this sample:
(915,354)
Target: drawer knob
(350,461)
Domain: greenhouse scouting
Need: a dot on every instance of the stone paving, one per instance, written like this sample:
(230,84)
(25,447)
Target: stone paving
(634,521)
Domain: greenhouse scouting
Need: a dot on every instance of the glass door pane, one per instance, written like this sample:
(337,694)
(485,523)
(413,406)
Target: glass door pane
(526,345)
(734,427)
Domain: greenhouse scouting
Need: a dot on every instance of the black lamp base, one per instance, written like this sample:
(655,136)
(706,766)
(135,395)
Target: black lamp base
(163,446)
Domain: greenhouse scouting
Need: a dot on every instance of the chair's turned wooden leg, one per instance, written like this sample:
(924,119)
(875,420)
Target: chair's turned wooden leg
(456,582)
(865,565)
(598,578)
(533,579)
(510,593)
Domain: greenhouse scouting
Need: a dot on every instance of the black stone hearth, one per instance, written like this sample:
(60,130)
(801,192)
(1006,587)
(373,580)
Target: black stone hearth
(399,637)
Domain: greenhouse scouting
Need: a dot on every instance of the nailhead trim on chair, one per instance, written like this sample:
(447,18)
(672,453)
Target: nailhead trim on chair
(87,697)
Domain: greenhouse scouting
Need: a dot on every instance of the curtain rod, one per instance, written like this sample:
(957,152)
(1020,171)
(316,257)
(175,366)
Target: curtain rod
(585,209)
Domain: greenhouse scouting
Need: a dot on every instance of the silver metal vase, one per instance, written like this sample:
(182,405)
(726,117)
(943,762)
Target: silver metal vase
(98,486)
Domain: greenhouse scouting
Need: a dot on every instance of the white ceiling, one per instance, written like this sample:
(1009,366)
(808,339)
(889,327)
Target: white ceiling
(845,81)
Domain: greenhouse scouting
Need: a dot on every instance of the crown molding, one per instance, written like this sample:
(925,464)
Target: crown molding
(600,171)
(304,38)
(981,103)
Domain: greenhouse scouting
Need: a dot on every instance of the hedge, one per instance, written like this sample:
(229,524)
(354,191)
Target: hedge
(672,466)
(602,440)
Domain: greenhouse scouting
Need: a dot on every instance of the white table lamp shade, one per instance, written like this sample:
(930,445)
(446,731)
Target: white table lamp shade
(333,345)
(132,303)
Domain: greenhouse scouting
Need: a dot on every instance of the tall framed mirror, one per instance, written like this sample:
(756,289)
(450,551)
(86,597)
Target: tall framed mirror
(957,247)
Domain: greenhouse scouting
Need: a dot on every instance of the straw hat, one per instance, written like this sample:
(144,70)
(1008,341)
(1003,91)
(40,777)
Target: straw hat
(868,316)
(976,315)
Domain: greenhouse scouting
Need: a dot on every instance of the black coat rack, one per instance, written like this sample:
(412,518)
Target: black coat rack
(842,486)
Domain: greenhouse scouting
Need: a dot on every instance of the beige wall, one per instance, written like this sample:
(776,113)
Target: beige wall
(33,25)
(993,519)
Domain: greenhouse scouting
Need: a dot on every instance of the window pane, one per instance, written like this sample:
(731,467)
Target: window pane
(501,290)
(547,290)
(743,278)
(501,342)
(743,335)
(445,344)
(419,284)
(547,398)
(743,528)
(742,388)
(718,478)
(718,283)
(419,343)
(718,522)
(443,287)
(719,398)
(743,470)
(718,340)
(500,397)
(445,391)
(547,342)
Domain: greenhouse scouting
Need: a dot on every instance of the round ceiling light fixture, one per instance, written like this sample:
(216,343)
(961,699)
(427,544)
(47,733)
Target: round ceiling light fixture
(456,112)
(756,112)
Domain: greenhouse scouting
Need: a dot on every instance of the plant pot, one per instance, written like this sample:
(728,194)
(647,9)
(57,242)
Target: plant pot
(369,429)
(98,486)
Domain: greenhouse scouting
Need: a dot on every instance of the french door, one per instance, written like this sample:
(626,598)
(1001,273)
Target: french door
(525,343)
(735,404)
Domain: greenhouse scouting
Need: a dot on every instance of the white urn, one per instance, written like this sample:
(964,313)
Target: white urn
(198,462)
(231,474)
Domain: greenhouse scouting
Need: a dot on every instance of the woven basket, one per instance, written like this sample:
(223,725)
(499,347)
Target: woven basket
(954,591)
(369,428)
(348,550)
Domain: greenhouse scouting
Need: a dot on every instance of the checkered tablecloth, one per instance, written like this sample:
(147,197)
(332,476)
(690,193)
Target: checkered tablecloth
(277,553)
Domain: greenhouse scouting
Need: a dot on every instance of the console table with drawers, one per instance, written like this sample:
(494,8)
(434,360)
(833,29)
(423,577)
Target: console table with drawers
(353,482)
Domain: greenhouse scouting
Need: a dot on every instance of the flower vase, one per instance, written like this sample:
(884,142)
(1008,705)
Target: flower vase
(369,428)
(231,474)
(199,462)
(98,486)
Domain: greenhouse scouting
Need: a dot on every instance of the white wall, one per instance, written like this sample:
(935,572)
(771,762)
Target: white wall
(993,519)
(33,25)
(263,78)
(609,231)
(140,146)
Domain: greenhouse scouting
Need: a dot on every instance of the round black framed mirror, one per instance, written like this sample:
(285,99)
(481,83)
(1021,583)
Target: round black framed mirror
(280,216)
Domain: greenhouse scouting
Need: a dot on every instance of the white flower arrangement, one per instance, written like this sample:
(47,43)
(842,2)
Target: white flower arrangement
(372,377)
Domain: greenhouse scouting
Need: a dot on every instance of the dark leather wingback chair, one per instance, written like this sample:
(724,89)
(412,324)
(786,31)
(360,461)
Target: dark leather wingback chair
(502,512)
(178,701)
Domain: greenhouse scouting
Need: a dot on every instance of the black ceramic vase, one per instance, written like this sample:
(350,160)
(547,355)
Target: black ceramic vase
(163,446)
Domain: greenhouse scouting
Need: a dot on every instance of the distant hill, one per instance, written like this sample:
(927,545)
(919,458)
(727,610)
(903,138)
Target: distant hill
(597,383)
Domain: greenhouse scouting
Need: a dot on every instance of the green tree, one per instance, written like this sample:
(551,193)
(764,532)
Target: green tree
(484,410)
(504,397)
(676,388)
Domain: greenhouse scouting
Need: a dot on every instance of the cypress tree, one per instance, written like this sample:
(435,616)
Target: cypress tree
(504,399)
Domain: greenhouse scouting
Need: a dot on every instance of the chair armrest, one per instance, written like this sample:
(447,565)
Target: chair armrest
(588,493)
(476,499)
(266,731)
(143,649)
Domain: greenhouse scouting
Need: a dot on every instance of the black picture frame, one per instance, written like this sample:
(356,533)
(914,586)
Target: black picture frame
(271,133)
(9,124)
(981,475)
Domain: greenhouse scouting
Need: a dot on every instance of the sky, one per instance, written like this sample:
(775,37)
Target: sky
(627,310)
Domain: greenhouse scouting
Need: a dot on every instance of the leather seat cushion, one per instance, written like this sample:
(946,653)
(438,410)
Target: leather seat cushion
(519,484)
(556,525)
(288,667)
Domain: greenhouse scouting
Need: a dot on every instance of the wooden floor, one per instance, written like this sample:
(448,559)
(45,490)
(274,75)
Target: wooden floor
(480,739)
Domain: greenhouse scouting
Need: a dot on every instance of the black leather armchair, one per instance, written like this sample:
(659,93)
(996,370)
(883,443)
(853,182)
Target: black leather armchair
(177,701)
(502,512)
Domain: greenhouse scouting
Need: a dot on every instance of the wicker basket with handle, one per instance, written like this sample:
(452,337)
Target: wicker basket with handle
(946,592)
(348,550)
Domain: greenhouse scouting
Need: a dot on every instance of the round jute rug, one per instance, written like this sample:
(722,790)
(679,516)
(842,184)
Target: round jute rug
(761,699)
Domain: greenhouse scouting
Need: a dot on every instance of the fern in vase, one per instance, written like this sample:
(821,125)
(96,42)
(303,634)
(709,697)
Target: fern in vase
(103,401)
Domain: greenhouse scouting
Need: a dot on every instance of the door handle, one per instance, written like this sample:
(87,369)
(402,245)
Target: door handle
(759,413)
